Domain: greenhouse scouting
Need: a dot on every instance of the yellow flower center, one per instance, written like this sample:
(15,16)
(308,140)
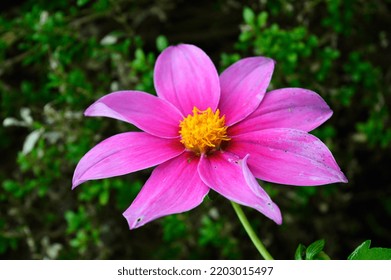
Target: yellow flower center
(203,131)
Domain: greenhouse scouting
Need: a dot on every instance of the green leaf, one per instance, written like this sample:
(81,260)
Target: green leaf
(300,251)
(314,249)
(248,15)
(82,2)
(104,197)
(262,19)
(363,252)
(161,43)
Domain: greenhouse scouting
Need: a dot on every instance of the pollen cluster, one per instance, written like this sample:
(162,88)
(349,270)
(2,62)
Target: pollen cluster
(203,131)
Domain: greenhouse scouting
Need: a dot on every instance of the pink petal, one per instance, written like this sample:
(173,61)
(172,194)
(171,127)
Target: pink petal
(243,86)
(149,113)
(125,153)
(229,175)
(288,107)
(173,187)
(288,156)
(185,76)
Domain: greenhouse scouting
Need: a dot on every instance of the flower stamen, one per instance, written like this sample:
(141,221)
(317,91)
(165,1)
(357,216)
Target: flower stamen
(203,131)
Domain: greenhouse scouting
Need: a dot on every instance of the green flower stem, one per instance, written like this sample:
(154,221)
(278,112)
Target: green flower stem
(250,231)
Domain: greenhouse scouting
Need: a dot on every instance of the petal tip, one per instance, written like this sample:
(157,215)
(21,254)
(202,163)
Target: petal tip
(327,114)
(278,220)
(268,62)
(343,178)
(275,213)
(133,222)
(88,111)
(76,182)
(96,109)
(340,177)
(271,60)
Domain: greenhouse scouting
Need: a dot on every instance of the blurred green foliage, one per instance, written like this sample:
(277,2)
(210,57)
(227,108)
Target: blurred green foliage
(57,57)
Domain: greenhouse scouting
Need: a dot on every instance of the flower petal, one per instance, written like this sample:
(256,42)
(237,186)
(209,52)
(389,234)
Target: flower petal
(125,153)
(149,113)
(185,76)
(229,175)
(173,187)
(288,156)
(243,86)
(289,108)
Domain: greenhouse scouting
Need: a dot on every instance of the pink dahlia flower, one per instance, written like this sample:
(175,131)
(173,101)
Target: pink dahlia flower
(207,132)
